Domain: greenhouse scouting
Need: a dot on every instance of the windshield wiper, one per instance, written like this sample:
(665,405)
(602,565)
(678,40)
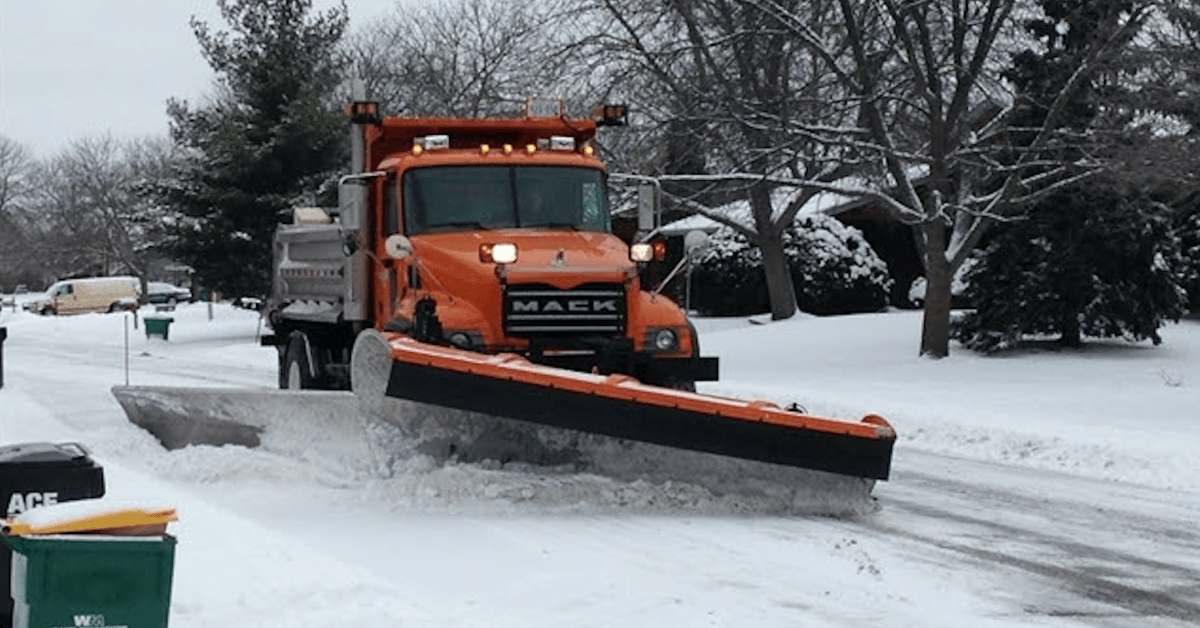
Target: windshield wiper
(464,224)
(557,225)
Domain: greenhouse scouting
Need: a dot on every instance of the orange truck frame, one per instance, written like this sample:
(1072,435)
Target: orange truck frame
(482,250)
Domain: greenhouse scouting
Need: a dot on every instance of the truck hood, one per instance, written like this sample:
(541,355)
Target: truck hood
(558,256)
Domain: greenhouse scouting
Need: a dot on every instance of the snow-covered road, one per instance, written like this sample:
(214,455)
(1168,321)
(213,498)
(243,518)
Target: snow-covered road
(1066,546)
(956,541)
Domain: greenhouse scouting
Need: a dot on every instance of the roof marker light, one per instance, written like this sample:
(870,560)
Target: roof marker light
(435,142)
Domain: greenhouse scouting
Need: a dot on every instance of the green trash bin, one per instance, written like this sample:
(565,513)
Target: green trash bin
(158,326)
(74,580)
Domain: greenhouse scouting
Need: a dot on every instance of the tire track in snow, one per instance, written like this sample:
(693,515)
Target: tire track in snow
(1098,550)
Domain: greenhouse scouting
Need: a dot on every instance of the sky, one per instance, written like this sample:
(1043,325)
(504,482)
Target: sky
(71,69)
(1039,488)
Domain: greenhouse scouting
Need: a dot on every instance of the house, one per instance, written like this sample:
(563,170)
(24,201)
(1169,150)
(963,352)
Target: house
(892,241)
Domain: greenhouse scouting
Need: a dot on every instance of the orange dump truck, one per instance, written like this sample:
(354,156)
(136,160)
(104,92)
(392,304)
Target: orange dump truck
(480,252)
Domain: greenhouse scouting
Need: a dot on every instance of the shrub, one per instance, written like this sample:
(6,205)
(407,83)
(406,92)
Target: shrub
(833,268)
(834,271)
(729,279)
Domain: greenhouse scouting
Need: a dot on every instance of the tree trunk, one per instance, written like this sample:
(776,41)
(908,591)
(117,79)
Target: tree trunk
(779,280)
(1070,335)
(780,290)
(935,326)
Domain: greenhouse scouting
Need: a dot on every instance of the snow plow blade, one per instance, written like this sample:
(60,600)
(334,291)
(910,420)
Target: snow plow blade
(619,406)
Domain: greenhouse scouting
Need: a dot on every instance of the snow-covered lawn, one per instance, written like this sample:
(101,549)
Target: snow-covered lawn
(283,540)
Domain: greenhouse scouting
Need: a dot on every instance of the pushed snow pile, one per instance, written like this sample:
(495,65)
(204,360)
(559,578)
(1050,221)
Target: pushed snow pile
(426,451)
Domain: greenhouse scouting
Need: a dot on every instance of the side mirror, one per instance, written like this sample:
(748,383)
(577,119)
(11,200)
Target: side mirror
(398,246)
(647,207)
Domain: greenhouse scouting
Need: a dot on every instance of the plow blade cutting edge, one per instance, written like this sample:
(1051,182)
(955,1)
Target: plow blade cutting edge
(621,407)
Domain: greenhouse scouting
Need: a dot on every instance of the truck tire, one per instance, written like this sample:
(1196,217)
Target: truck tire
(295,369)
(683,384)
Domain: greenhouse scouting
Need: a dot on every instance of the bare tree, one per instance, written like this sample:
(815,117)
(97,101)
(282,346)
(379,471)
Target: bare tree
(58,227)
(743,108)
(92,211)
(932,67)
(467,58)
(16,169)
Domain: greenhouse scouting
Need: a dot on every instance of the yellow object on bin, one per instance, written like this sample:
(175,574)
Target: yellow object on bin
(91,563)
(117,521)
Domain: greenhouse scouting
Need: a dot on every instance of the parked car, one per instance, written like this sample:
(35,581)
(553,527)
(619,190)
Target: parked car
(249,303)
(94,294)
(162,292)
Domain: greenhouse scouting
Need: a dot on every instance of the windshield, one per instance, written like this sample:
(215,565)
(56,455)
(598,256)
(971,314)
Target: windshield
(497,197)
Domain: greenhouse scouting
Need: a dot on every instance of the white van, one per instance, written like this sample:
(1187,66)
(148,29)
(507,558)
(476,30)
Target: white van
(96,294)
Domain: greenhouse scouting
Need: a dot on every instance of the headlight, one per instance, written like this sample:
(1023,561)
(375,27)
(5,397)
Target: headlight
(641,252)
(664,339)
(503,253)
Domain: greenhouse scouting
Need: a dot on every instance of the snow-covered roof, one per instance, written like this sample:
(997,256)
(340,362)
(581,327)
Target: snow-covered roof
(739,211)
(826,202)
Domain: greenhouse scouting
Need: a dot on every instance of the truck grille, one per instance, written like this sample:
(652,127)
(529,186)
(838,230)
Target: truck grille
(538,309)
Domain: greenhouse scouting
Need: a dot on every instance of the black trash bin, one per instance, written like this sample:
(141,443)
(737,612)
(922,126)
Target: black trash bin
(40,474)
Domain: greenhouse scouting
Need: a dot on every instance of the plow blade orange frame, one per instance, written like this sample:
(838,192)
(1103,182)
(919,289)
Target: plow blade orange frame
(621,407)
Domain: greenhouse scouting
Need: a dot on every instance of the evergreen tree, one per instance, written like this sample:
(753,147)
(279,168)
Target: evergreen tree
(1095,261)
(271,138)
(1189,230)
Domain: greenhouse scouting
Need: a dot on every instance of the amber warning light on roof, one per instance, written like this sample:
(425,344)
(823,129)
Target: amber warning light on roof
(363,112)
(610,115)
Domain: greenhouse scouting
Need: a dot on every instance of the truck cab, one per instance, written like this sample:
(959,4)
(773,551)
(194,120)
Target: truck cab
(493,236)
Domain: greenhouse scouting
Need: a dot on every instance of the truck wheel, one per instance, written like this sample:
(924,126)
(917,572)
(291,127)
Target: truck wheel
(295,370)
(687,385)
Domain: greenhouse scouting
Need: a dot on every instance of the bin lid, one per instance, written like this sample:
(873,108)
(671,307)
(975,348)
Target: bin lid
(92,516)
(27,453)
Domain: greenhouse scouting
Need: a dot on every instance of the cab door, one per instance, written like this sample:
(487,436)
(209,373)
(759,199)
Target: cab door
(66,301)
